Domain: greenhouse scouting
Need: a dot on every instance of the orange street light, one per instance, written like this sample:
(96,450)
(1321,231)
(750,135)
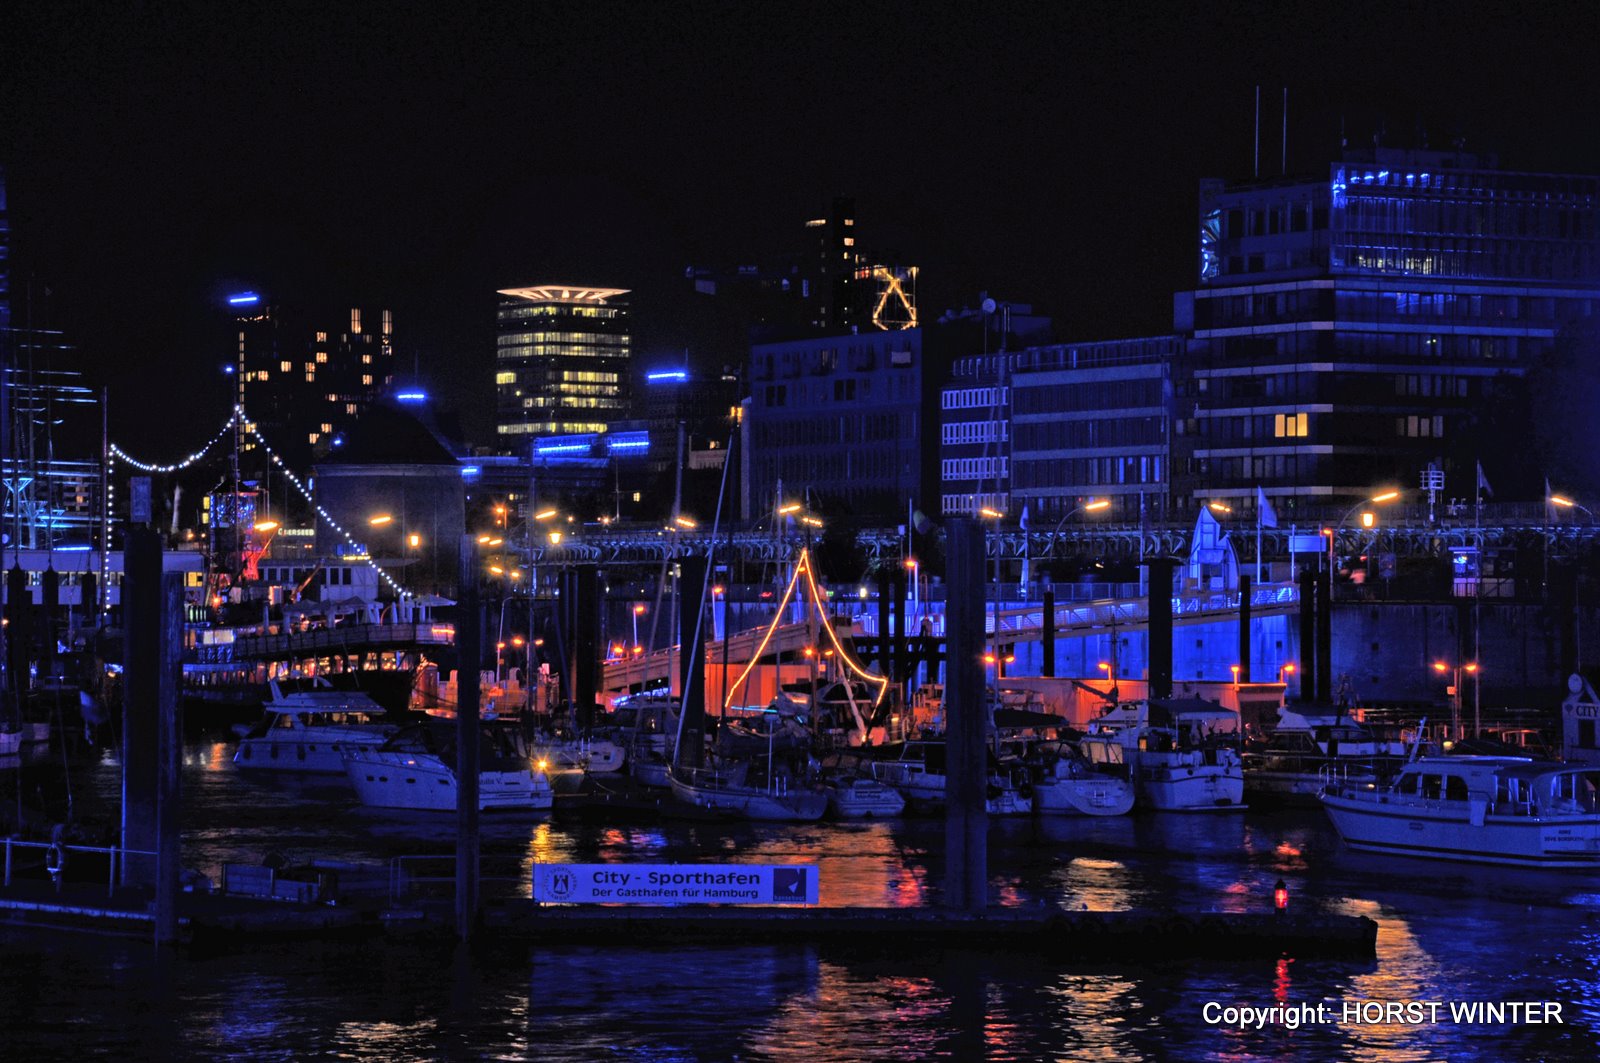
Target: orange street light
(380,520)
(266,525)
(1096,506)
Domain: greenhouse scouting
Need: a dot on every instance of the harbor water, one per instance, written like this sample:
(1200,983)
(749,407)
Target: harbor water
(1448,933)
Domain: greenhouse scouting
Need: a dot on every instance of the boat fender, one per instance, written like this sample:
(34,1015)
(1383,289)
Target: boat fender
(55,860)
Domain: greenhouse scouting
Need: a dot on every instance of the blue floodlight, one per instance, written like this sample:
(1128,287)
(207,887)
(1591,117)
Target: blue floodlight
(75,546)
(469,471)
(667,376)
(244,299)
(412,396)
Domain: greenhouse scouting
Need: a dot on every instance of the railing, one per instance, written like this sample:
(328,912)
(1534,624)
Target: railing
(344,639)
(402,880)
(112,854)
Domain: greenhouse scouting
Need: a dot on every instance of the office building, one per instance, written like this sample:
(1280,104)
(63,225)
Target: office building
(562,362)
(304,375)
(837,420)
(1351,329)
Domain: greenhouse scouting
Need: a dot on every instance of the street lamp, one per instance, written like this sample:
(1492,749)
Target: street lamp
(1455,672)
(1094,505)
(1333,532)
(1566,503)
(1110,669)
(380,520)
(1220,507)
(638,611)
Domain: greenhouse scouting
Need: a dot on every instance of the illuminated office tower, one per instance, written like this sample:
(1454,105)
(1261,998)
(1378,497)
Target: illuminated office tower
(561,362)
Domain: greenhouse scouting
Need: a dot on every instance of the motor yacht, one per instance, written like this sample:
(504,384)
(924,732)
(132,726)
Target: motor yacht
(416,769)
(1494,810)
(309,731)
(1179,753)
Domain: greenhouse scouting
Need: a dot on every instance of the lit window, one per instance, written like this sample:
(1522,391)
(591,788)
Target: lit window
(849,241)
(350,408)
(355,321)
(327,427)
(284,367)
(505,378)
(366,359)
(322,337)
(322,357)
(388,322)
(367,380)
(313,437)
(1290,426)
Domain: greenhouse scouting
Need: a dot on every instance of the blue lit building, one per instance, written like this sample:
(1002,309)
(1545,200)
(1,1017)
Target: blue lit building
(838,420)
(1351,329)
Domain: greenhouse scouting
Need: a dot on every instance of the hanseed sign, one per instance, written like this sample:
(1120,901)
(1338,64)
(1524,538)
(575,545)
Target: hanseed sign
(675,883)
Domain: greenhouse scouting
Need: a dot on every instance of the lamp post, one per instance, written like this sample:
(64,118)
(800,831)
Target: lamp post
(638,610)
(1110,669)
(1094,505)
(1455,672)
(1333,532)
(995,516)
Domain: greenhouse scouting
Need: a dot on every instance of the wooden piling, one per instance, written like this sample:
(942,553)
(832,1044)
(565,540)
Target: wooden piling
(966,722)
(468,658)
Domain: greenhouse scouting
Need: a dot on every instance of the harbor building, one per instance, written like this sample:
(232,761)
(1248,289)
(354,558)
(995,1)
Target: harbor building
(1354,327)
(837,421)
(562,362)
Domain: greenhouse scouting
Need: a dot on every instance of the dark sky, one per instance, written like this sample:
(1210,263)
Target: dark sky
(426,156)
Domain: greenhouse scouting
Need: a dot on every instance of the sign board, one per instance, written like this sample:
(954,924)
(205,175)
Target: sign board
(675,883)
(1308,544)
(139,493)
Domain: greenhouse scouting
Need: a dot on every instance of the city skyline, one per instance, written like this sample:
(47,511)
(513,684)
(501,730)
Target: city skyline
(1067,170)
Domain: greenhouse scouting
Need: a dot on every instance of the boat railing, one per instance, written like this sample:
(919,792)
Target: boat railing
(116,857)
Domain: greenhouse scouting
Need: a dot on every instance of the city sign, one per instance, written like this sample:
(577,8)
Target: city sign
(675,883)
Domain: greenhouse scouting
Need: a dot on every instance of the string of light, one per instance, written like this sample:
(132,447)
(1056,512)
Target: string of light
(238,418)
(145,466)
(305,493)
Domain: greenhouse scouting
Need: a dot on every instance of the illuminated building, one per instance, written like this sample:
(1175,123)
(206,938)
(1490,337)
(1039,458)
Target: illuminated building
(838,419)
(704,403)
(1352,328)
(304,376)
(562,362)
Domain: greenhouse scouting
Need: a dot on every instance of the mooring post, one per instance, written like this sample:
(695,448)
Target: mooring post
(692,662)
(586,644)
(1245,591)
(1159,625)
(1047,632)
(902,658)
(468,658)
(141,702)
(1325,639)
(885,612)
(1308,633)
(966,828)
(169,761)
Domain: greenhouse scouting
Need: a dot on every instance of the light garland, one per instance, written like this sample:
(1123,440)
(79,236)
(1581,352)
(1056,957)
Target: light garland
(305,493)
(145,466)
(238,418)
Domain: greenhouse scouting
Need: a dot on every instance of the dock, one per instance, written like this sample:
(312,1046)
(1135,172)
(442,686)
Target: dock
(1054,932)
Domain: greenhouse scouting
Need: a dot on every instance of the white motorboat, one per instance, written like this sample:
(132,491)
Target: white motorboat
(1176,750)
(1306,752)
(727,788)
(1066,784)
(309,731)
(1494,810)
(415,769)
(917,771)
(853,793)
(568,762)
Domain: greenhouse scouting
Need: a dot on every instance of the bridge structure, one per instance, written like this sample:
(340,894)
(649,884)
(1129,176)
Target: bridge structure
(1020,624)
(1407,534)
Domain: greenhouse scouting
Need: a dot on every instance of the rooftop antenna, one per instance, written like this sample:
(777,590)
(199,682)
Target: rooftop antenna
(1255,170)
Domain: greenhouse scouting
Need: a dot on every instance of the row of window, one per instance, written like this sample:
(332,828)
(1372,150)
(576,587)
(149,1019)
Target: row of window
(1104,395)
(852,430)
(974,468)
(975,432)
(1089,472)
(1086,435)
(531,313)
(603,339)
(967,398)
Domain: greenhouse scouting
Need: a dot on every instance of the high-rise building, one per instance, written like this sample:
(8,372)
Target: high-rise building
(561,362)
(1352,329)
(303,377)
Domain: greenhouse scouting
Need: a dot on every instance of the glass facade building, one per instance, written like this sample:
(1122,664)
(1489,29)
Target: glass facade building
(562,362)
(1350,331)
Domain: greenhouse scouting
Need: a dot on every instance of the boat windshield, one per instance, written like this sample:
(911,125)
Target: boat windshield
(1575,791)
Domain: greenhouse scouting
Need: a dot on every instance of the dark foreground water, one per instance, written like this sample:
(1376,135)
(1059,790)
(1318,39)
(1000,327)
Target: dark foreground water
(1448,934)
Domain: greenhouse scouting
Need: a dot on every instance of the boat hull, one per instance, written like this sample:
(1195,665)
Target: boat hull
(1084,797)
(1450,834)
(797,806)
(863,799)
(418,782)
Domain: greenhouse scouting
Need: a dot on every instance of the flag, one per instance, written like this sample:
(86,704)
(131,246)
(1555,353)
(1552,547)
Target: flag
(1483,483)
(1023,522)
(1267,516)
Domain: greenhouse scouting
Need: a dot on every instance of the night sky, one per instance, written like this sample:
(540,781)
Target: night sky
(422,158)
